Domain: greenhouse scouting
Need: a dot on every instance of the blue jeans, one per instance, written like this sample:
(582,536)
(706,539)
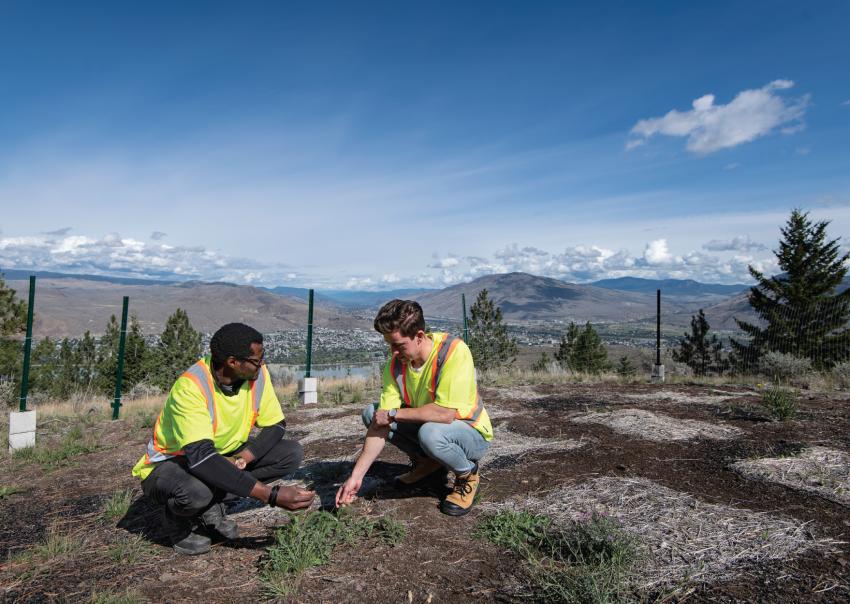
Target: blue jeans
(456,445)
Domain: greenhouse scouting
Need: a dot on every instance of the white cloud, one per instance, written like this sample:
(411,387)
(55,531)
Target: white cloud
(733,166)
(158,235)
(656,252)
(736,244)
(804,150)
(120,256)
(448,262)
(710,127)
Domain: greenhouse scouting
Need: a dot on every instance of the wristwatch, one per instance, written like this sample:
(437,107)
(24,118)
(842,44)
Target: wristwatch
(391,414)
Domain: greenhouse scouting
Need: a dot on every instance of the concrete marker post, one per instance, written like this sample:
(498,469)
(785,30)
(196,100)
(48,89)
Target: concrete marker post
(22,423)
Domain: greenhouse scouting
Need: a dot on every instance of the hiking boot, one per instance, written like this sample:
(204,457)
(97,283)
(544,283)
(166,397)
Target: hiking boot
(460,500)
(181,533)
(423,467)
(215,519)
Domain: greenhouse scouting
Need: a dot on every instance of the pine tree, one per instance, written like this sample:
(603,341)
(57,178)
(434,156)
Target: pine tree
(565,347)
(488,336)
(85,360)
(136,356)
(542,362)
(13,320)
(699,352)
(179,347)
(66,380)
(625,368)
(43,366)
(107,358)
(801,312)
(587,352)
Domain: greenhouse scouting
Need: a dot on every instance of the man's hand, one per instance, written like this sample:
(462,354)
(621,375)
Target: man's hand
(293,498)
(381,418)
(348,491)
(238,462)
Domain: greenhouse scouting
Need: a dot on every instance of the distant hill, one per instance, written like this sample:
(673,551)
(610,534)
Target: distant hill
(671,287)
(15,275)
(351,299)
(69,306)
(524,297)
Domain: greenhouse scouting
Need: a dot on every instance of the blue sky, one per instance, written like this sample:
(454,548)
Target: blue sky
(385,145)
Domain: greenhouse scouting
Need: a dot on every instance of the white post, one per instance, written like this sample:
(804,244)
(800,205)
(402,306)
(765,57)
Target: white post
(21,430)
(308,390)
(657,376)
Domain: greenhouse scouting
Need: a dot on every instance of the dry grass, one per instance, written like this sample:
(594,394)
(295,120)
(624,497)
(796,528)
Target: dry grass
(825,472)
(657,427)
(682,538)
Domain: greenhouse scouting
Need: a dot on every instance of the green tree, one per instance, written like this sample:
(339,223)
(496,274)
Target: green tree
(542,362)
(136,356)
(179,347)
(698,351)
(625,368)
(587,352)
(43,366)
(488,336)
(801,312)
(107,358)
(85,359)
(13,320)
(66,379)
(566,345)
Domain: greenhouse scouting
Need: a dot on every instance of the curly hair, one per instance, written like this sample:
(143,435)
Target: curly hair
(233,340)
(403,316)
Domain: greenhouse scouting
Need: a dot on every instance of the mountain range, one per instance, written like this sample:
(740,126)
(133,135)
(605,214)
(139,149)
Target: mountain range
(68,305)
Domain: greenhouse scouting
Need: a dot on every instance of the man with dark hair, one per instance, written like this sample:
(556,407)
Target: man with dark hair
(429,408)
(200,449)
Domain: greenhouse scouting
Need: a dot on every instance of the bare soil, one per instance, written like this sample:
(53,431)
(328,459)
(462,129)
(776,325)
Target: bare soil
(439,561)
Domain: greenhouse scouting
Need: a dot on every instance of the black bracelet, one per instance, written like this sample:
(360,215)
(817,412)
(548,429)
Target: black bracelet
(273,496)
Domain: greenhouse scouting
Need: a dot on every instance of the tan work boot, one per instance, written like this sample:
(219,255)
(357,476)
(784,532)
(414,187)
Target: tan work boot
(459,501)
(423,467)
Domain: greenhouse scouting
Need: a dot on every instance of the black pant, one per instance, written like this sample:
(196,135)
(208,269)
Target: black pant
(170,484)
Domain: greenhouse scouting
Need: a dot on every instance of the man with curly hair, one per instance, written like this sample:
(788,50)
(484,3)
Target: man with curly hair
(200,449)
(429,408)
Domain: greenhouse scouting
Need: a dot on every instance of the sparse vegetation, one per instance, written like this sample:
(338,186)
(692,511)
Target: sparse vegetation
(125,597)
(590,561)
(116,506)
(8,491)
(128,549)
(75,442)
(781,403)
(699,351)
(309,540)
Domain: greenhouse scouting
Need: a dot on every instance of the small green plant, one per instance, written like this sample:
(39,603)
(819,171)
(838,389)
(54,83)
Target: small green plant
(144,419)
(309,540)
(589,561)
(129,549)
(127,597)
(781,403)
(74,443)
(8,491)
(117,506)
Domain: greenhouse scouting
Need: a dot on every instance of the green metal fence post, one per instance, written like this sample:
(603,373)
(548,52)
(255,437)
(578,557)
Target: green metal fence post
(119,372)
(309,334)
(25,372)
(465,328)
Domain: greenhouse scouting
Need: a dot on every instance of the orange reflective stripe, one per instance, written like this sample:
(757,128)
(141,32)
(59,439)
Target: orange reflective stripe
(435,369)
(404,384)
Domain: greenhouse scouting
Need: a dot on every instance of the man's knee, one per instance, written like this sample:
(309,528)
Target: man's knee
(191,498)
(432,438)
(368,414)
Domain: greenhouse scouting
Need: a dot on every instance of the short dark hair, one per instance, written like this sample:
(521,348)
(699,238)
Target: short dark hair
(233,340)
(403,316)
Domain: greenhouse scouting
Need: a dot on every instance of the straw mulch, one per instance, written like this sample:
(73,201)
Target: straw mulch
(657,427)
(825,472)
(679,536)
